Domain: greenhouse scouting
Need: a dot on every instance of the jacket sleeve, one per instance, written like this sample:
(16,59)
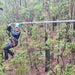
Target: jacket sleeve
(9,28)
(15,33)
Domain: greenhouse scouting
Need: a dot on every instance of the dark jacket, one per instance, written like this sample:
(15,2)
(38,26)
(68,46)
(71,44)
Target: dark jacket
(14,34)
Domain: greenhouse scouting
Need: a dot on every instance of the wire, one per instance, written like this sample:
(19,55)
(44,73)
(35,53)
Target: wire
(63,2)
(40,22)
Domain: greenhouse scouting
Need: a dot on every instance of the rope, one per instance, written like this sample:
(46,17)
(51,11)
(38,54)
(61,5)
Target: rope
(40,22)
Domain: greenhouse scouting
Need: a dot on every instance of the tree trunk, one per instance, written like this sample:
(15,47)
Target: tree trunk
(54,24)
(20,2)
(67,35)
(25,4)
(17,14)
(47,51)
(47,54)
(73,26)
(74,14)
(15,1)
(71,9)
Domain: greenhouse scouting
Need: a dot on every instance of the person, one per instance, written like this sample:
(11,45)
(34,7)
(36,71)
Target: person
(15,34)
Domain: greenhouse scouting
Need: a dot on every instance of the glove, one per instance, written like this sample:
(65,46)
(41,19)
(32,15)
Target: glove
(9,24)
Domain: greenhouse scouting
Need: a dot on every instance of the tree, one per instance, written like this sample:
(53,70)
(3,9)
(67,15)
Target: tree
(47,51)
(20,2)
(25,4)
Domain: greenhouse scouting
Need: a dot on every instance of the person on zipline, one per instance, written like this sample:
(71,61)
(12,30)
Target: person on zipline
(15,33)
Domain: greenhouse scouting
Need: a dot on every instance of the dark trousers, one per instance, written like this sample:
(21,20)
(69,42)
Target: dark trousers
(6,50)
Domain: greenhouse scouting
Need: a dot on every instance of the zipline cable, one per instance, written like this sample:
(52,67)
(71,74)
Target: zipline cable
(41,22)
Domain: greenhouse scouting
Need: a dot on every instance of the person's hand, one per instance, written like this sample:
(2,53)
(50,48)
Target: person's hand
(9,24)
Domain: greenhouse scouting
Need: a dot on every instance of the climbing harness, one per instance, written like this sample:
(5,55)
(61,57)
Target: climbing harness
(13,42)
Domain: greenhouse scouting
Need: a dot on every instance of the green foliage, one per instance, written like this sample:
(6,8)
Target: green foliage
(38,7)
(25,44)
(34,32)
(42,16)
(74,33)
(69,70)
(1,4)
(49,42)
(61,31)
(72,46)
(70,32)
(34,58)
(1,45)
(35,11)
(1,71)
(20,62)
(57,66)
(53,11)
(22,10)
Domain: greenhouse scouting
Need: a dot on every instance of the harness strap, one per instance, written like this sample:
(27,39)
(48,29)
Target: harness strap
(13,42)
